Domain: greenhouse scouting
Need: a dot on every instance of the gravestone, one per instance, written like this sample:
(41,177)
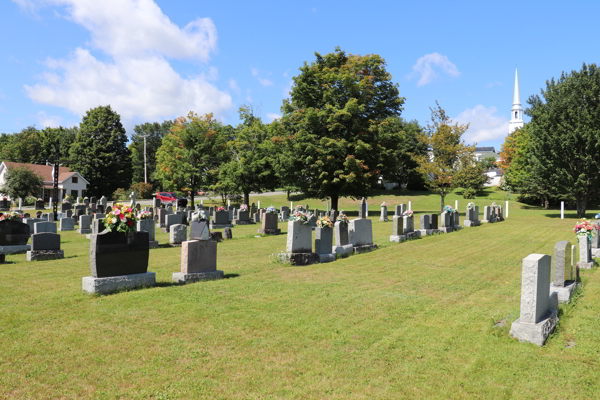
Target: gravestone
(324,244)
(284,215)
(362,210)
(44,227)
(562,273)
(13,237)
(445,222)
(93,199)
(86,201)
(66,224)
(26,215)
(161,215)
(38,215)
(299,245)
(243,218)
(45,246)
(539,308)
(227,233)
(199,230)
(99,215)
(433,221)
(487,216)
(585,256)
(424,225)
(65,206)
(596,241)
(456,220)
(397,229)
(172,219)
(384,214)
(269,224)
(84,224)
(118,261)
(4,205)
(221,220)
(360,234)
(343,247)
(256,217)
(198,262)
(177,234)
(147,225)
(409,224)
(400,209)
(31,222)
(93,207)
(97,227)
(155,202)
(50,217)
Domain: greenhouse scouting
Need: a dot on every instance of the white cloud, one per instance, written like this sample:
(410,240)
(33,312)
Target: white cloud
(428,67)
(263,81)
(485,124)
(143,87)
(136,79)
(234,86)
(492,84)
(273,116)
(48,121)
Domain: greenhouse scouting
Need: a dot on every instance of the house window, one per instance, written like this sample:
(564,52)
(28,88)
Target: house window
(74,193)
(74,179)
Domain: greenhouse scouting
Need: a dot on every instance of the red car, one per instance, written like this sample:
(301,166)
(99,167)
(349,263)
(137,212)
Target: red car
(171,198)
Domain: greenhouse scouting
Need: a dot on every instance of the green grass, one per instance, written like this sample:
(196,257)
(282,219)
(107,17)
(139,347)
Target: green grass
(411,320)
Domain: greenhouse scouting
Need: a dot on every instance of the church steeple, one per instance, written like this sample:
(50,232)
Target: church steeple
(516,117)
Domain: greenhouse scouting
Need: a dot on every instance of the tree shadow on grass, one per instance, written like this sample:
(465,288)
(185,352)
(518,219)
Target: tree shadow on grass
(567,216)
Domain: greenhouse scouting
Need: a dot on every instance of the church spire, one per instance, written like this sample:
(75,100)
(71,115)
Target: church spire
(516,91)
(516,115)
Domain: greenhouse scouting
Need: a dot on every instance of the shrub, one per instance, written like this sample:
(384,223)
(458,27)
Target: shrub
(469,193)
(142,190)
(120,194)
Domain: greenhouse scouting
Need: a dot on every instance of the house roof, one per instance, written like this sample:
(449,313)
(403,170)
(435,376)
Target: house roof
(44,170)
(492,149)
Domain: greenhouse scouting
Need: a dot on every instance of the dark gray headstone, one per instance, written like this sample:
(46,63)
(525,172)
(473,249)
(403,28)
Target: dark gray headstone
(45,241)
(362,211)
(115,254)
(97,226)
(14,233)
(228,233)
(221,217)
(341,233)
(433,221)
(424,221)
(323,240)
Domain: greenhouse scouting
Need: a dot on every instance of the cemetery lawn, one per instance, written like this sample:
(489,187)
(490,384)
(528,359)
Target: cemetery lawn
(411,320)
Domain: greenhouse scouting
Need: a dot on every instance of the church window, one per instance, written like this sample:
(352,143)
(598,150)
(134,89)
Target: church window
(516,113)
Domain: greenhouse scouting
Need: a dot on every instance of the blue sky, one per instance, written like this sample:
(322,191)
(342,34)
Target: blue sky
(156,60)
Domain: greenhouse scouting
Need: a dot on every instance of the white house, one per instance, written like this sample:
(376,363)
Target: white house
(69,182)
(485,152)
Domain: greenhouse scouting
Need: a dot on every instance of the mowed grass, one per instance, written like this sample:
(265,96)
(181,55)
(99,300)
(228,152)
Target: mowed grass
(411,320)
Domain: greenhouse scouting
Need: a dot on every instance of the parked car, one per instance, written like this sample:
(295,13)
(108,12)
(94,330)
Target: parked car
(171,198)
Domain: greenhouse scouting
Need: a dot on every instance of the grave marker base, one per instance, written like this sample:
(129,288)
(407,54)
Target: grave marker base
(153,244)
(424,232)
(236,222)
(535,333)
(366,248)
(89,284)
(471,223)
(65,229)
(180,277)
(397,238)
(445,229)
(343,251)
(580,265)
(299,259)
(270,231)
(410,235)
(15,249)
(41,255)
(564,293)
(84,231)
(325,258)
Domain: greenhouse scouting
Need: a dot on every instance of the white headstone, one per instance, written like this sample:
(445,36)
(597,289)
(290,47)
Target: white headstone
(562,210)
(410,206)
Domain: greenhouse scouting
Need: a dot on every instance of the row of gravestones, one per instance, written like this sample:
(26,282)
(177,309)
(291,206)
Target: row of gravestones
(545,282)
(45,242)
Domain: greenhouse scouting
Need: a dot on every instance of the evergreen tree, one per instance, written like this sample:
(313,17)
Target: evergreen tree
(99,152)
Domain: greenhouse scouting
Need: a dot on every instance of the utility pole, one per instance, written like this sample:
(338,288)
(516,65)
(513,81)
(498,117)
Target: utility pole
(56,167)
(145,163)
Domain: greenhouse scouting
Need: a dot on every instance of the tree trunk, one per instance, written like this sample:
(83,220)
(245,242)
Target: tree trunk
(192,195)
(247,198)
(442,203)
(288,195)
(581,205)
(334,202)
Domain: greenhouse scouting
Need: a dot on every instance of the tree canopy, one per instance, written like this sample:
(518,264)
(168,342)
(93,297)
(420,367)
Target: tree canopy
(22,182)
(565,135)
(99,152)
(328,138)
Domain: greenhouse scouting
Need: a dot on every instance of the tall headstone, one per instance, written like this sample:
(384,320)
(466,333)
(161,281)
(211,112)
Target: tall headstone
(299,245)
(324,244)
(177,234)
(539,308)
(585,259)
(384,214)
(563,275)
(84,224)
(362,211)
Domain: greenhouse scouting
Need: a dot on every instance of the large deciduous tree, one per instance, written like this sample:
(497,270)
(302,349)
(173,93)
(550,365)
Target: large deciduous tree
(191,154)
(329,136)
(154,133)
(446,155)
(565,135)
(100,153)
(251,167)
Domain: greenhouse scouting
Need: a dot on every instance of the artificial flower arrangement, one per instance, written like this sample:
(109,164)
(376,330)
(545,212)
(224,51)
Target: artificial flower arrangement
(471,206)
(584,228)
(11,216)
(448,209)
(342,217)
(220,209)
(38,199)
(298,206)
(198,216)
(301,217)
(145,215)
(67,199)
(407,213)
(495,205)
(121,219)
(384,204)
(244,207)
(271,210)
(324,222)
